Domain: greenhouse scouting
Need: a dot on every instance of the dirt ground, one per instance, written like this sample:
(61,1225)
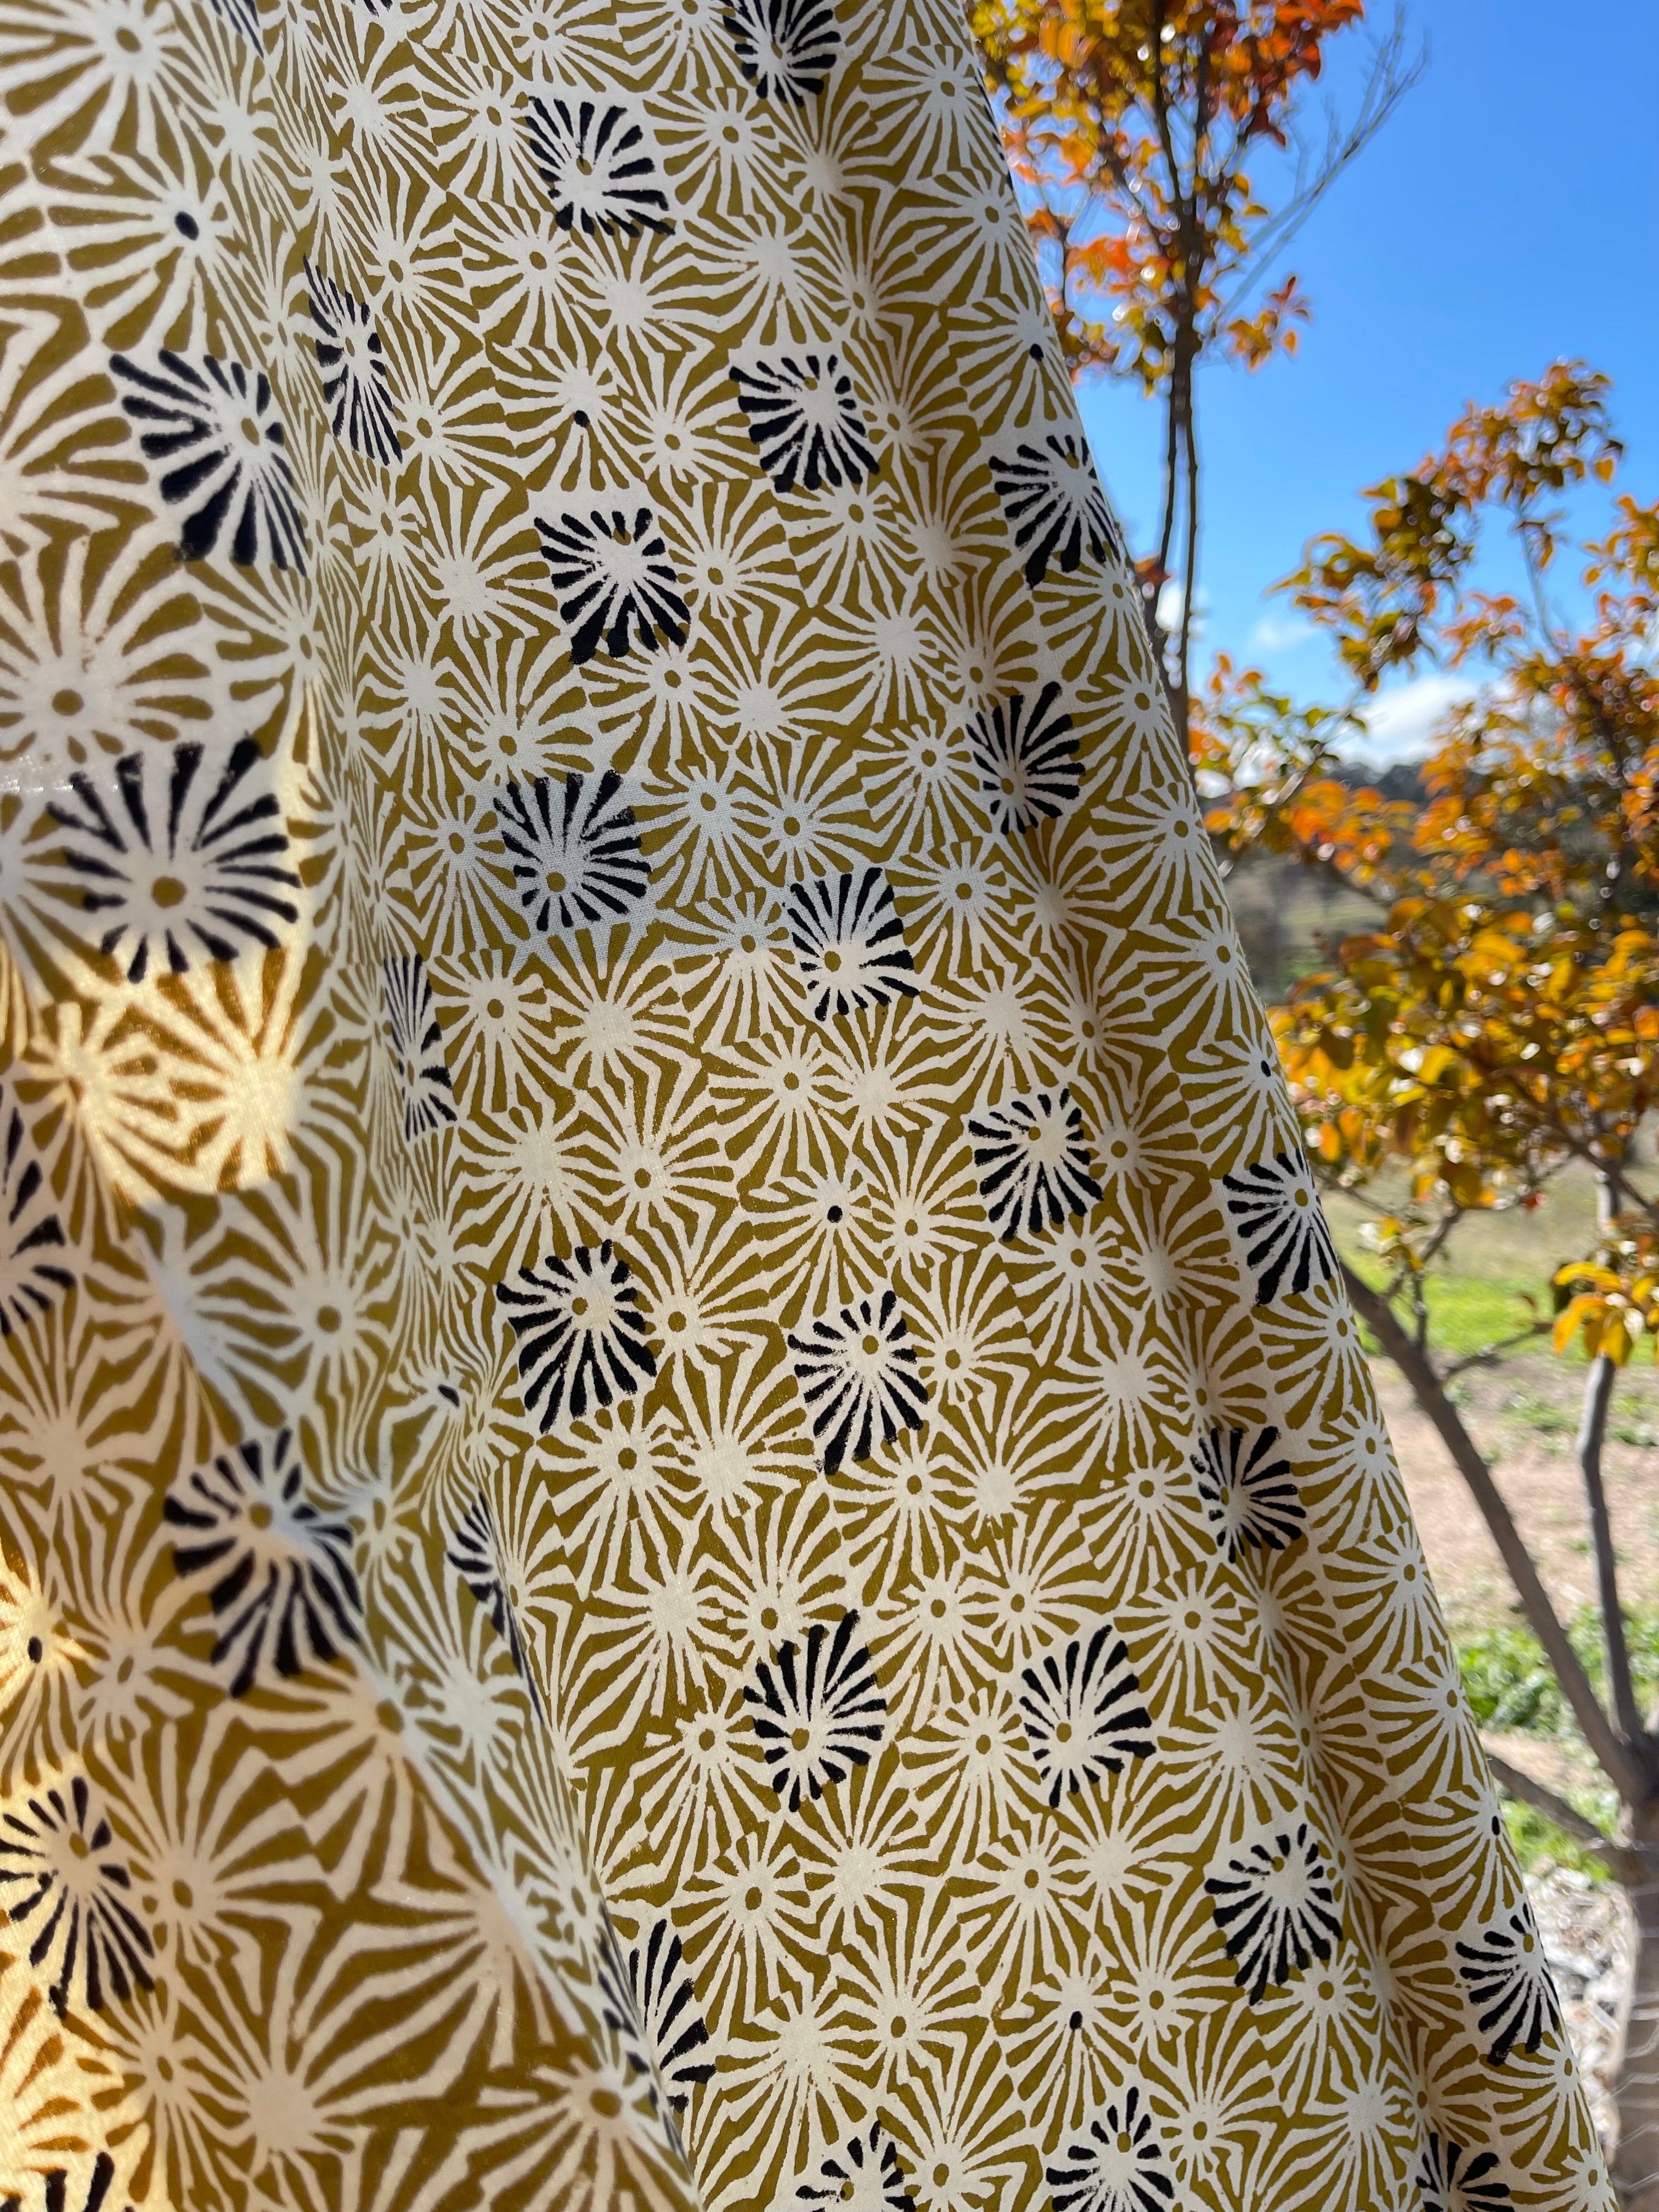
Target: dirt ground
(1524,1415)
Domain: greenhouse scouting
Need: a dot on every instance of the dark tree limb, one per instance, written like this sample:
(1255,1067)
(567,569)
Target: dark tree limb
(1617,1760)
(1592,1434)
(1623,1864)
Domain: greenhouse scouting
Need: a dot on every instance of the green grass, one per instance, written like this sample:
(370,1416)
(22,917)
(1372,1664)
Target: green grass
(1633,1424)
(1512,1692)
(1493,1263)
(1541,1417)
(1466,1310)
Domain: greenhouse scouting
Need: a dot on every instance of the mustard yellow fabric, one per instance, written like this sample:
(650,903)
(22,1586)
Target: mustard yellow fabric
(689,1513)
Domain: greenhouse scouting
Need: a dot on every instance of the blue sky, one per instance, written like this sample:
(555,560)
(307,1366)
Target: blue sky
(1508,214)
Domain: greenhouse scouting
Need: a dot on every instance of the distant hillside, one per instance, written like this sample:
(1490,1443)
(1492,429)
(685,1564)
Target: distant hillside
(1283,910)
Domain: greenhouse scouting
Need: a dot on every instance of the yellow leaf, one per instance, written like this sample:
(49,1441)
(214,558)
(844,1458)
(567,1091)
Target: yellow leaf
(1582,1271)
(1582,1313)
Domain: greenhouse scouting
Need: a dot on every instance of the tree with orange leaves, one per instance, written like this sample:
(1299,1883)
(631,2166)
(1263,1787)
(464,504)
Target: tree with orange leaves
(1499,1020)
(1133,126)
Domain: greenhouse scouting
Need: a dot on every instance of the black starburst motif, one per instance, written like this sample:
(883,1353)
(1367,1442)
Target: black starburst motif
(356,390)
(32,1270)
(1509,1984)
(787,49)
(574,847)
(819,1710)
(211,427)
(182,855)
(1452,2180)
(1117,2166)
(803,418)
(68,1890)
(865,2172)
(282,1584)
(417,1045)
(475,1555)
(1054,504)
(1249,1492)
(615,578)
(1281,1225)
(597,163)
(849,942)
(55,2197)
(859,1376)
(1275,1904)
(1026,757)
(1033,1162)
(242,15)
(581,1336)
(649,1999)
(1084,1711)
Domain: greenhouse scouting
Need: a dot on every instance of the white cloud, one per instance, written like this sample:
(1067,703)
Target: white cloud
(1280,634)
(1399,724)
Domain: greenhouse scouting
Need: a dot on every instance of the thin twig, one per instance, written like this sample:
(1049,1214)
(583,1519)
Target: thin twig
(1490,1354)
(1388,85)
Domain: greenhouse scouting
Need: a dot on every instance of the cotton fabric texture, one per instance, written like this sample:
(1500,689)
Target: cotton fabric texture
(691,1515)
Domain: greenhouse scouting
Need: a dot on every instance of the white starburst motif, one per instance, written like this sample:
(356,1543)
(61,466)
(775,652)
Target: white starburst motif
(1275,1904)
(1026,756)
(859,1378)
(417,1045)
(1116,2164)
(181,855)
(803,418)
(574,850)
(33,1274)
(581,1336)
(849,942)
(1249,1492)
(211,429)
(1084,1712)
(595,156)
(615,579)
(1054,504)
(1281,1225)
(1033,1163)
(356,388)
(817,1709)
(787,49)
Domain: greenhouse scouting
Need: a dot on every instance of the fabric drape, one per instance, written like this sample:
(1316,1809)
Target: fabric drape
(691,1515)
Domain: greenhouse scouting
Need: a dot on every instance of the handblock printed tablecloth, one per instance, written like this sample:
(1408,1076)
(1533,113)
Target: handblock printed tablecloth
(689,1512)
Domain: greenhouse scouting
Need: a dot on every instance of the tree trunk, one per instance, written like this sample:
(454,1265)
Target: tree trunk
(1636,2078)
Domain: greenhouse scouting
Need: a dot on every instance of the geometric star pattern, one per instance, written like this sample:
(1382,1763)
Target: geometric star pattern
(571,822)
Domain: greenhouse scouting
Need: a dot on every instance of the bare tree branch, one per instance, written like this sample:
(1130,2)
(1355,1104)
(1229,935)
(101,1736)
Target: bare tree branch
(1621,1767)
(1189,580)
(1592,1433)
(1489,1354)
(1391,79)
(1622,1862)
